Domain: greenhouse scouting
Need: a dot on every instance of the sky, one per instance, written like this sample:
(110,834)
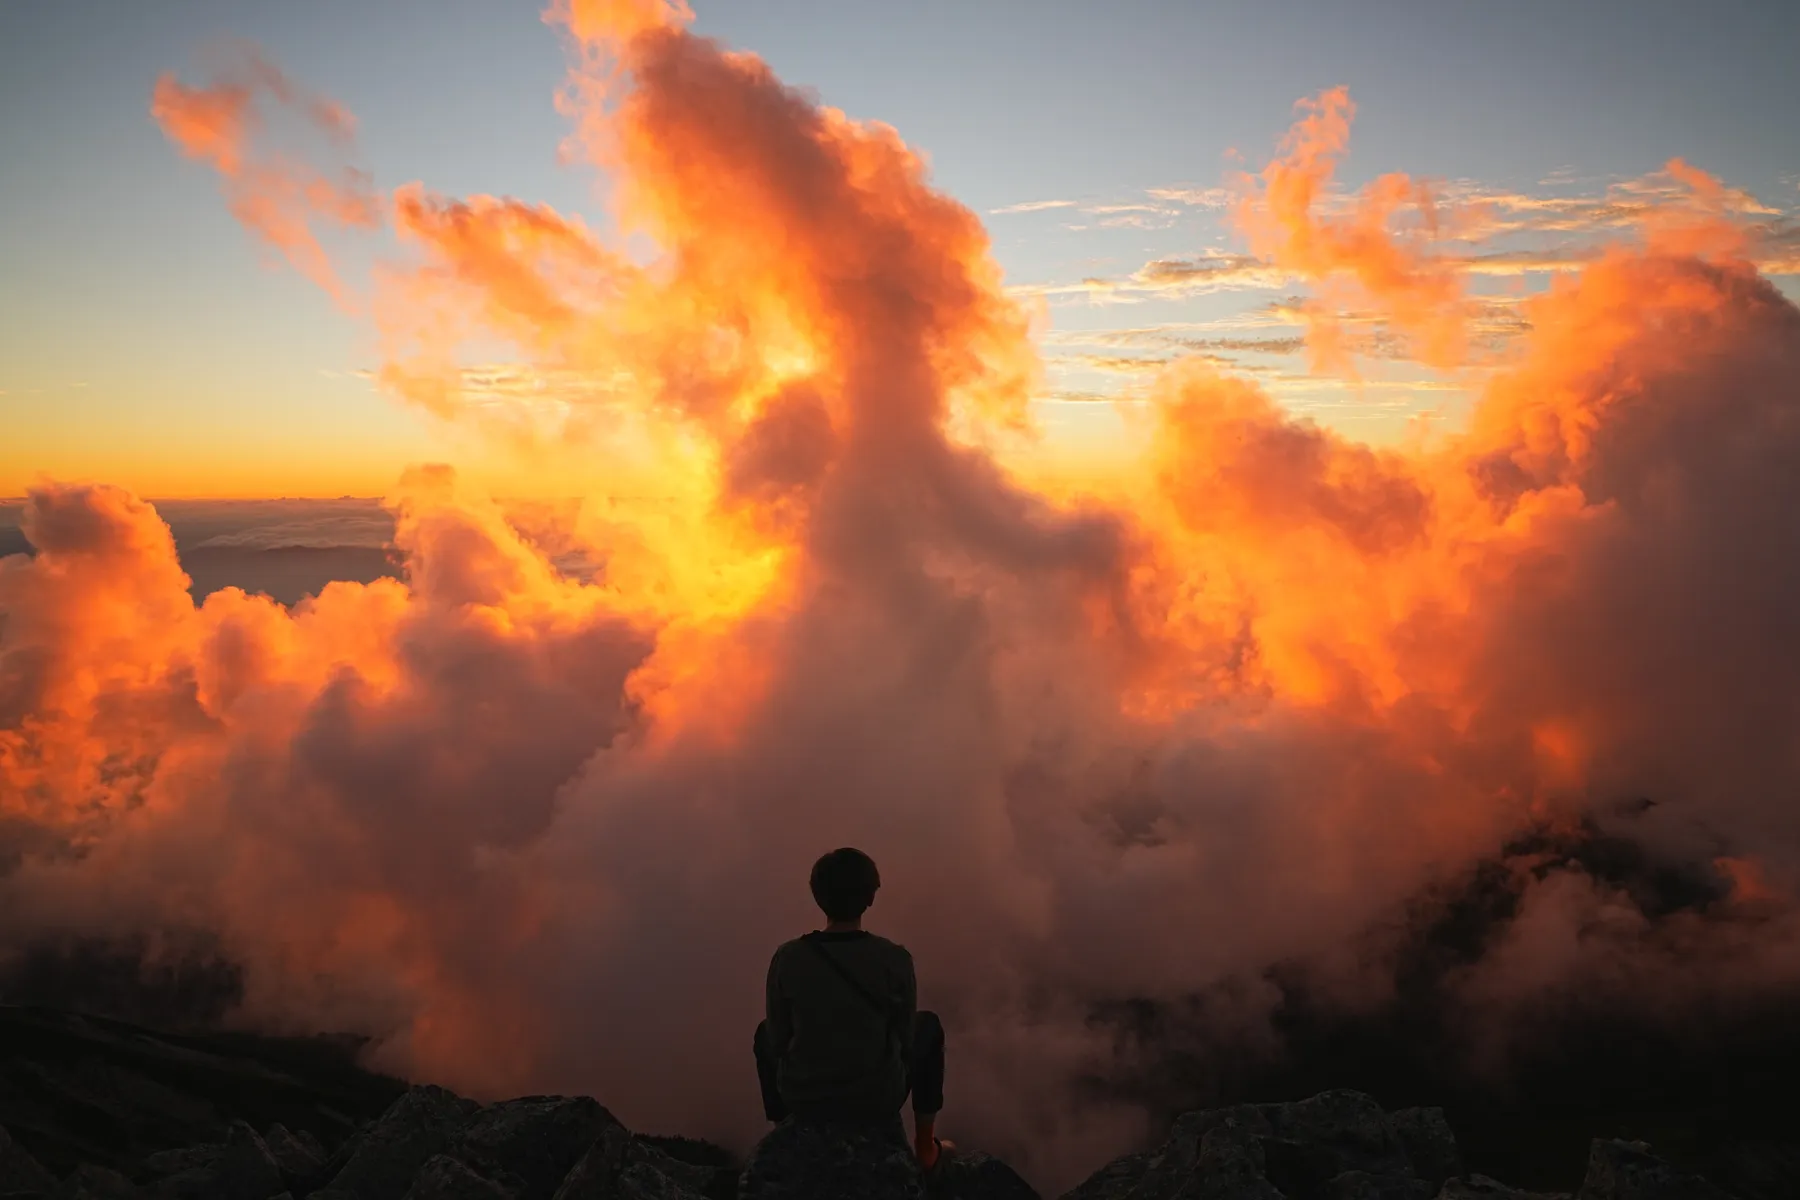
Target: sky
(146,339)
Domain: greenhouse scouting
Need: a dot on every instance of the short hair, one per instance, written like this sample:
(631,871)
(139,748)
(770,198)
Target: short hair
(844,883)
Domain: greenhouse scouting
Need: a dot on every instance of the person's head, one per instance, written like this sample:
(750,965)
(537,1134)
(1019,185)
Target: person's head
(844,883)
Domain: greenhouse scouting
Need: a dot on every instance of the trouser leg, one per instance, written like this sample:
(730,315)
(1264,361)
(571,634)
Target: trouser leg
(766,1075)
(925,1067)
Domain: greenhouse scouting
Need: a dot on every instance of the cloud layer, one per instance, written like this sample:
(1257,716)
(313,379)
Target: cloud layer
(539,833)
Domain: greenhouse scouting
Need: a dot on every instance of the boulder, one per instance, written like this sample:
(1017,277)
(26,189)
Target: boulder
(1230,1163)
(537,1139)
(805,1160)
(1336,1145)
(1232,1166)
(422,1124)
(1117,1178)
(976,1177)
(190,1183)
(89,1182)
(246,1170)
(20,1174)
(1360,1185)
(1430,1145)
(446,1178)
(1621,1170)
(186,1158)
(1317,1139)
(298,1155)
(701,1178)
(1480,1187)
(618,1166)
(642,1181)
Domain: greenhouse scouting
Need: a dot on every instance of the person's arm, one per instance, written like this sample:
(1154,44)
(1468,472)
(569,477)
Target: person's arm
(909,997)
(775,1009)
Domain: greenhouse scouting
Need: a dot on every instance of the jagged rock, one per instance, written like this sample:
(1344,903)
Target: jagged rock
(1430,1145)
(445,1178)
(420,1125)
(620,1167)
(1360,1185)
(172,1162)
(1757,1169)
(191,1183)
(1620,1170)
(1215,1152)
(20,1174)
(1480,1187)
(693,1177)
(89,1182)
(976,1177)
(1317,1139)
(595,1175)
(240,1169)
(804,1160)
(1117,1178)
(298,1155)
(539,1139)
(245,1171)
(1230,1162)
(642,1181)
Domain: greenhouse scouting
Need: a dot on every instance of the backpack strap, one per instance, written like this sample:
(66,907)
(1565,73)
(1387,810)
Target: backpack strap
(886,1010)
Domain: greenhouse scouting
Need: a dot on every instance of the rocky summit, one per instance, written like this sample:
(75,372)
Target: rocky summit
(92,1109)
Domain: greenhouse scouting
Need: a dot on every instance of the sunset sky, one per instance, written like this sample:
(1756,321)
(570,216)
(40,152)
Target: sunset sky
(146,339)
(1207,494)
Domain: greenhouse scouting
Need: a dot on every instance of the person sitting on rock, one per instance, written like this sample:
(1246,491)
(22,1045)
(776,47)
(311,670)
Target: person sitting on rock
(843,1040)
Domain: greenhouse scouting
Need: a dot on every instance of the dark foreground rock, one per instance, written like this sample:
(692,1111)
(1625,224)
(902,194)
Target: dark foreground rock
(1341,1145)
(800,1161)
(94,1109)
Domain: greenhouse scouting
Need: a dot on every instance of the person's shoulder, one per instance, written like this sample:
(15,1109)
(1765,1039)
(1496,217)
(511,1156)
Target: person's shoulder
(789,947)
(890,949)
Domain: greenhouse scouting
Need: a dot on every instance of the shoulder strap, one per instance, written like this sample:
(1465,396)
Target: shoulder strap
(856,985)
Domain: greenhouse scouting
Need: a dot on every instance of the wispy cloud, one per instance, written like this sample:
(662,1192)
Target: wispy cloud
(1212,197)
(1031,206)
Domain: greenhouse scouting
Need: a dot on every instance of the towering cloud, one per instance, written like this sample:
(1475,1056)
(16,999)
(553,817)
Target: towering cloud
(538,833)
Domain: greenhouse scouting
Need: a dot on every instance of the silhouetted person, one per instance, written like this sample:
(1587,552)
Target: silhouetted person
(843,1040)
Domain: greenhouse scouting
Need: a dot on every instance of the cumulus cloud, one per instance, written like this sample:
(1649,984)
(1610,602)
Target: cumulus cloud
(540,832)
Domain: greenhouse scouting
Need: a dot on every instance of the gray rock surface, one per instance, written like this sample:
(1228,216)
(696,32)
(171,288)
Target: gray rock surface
(537,1139)
(419,1126)
(446,1178)
(976,1177)
(89,1182)
(1620,1170)
(1360,1185)
(1334,1146)
(298,1155)
(1317,1139)
(185,1158)
(1429,1144)
(246,1170)
(801,1160)
(20,1173)
(617,1166)
(1480,1187)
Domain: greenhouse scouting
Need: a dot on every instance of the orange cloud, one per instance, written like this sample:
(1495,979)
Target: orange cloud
(276,198)
(1273,689)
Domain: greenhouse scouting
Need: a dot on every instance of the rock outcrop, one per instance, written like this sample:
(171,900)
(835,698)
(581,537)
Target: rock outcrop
(1341,1145)
(798,1161)
(92,1109)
